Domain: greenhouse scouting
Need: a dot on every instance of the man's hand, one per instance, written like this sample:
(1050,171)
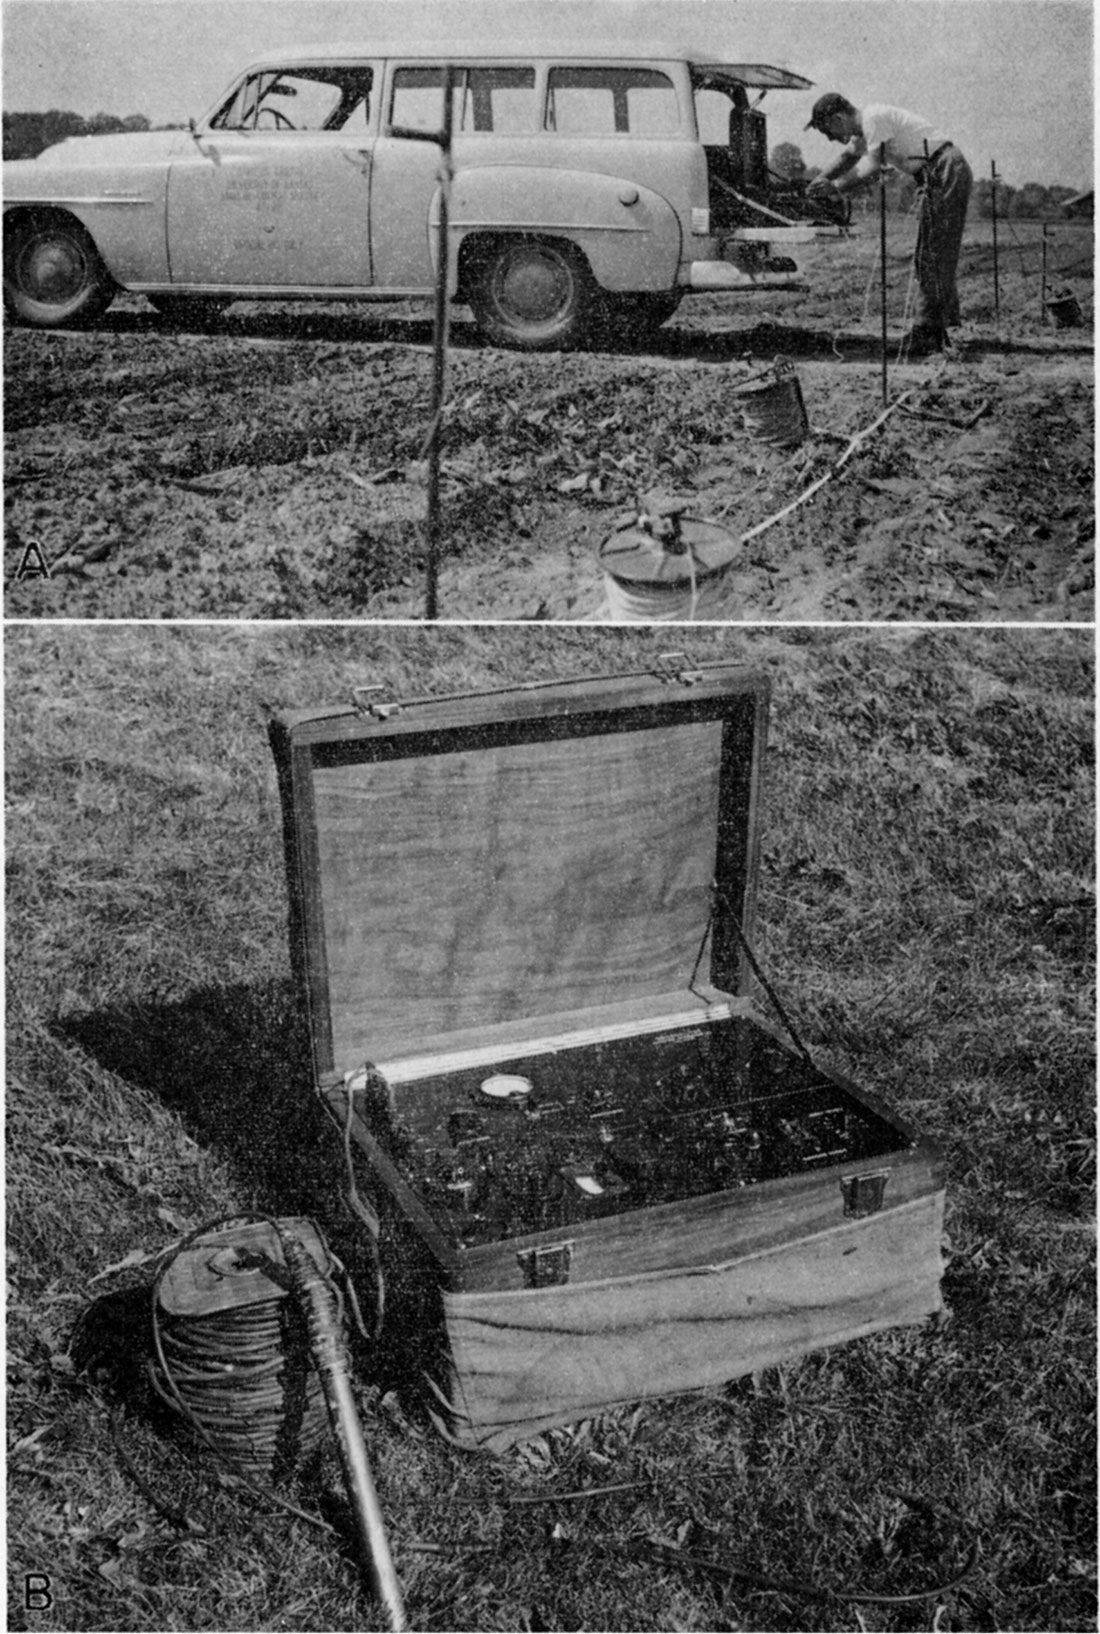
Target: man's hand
(821,184)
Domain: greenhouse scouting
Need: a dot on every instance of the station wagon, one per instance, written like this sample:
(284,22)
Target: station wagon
(585,192)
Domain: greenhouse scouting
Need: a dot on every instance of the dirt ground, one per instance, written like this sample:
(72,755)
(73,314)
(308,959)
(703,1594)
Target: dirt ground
(272,464)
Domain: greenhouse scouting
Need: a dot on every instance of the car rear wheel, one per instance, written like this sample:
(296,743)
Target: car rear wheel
(189,308)
(53,275)
(533,293)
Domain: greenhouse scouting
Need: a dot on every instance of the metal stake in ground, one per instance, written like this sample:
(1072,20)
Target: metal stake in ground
(1043,283)
(882,259)
(993,215)
(443,138)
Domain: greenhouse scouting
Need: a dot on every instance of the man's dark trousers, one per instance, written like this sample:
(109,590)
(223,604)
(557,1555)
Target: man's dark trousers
(945,184)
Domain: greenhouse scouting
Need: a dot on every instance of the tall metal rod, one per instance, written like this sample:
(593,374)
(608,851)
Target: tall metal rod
(996,270)
(439,352)
(326,1337)
(882,260)
(443,138)
(1043,287)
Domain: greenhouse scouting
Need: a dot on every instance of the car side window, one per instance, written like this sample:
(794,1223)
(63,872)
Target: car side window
(300,99)
(611,102)
(484,100)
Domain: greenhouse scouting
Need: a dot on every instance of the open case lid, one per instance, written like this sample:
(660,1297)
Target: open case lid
(465,864)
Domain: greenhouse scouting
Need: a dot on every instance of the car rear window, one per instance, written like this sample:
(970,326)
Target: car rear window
(612,102)
(500,100)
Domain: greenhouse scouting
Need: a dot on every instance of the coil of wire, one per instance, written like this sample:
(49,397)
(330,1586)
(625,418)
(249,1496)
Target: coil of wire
(231,1353)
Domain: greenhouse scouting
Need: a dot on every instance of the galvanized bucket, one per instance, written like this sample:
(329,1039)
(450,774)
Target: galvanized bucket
(1064,312)
(663,580)
(772,407)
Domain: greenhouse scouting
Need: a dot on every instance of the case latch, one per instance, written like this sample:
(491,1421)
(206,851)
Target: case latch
(366,703)
(545,1267)
(863,1193)
(673,668)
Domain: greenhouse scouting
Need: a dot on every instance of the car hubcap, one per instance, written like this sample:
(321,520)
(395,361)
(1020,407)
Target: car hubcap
(534,288)
(54,270)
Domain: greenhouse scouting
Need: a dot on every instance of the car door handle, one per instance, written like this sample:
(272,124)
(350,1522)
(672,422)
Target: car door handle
(359,157)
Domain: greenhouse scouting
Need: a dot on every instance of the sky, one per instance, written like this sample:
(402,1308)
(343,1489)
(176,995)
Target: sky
(1010,81)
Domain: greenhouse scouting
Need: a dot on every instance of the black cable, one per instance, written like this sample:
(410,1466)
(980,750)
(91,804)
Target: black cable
(805,1590)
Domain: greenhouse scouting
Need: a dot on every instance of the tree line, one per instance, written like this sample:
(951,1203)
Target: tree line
(27,134)
(1031,202)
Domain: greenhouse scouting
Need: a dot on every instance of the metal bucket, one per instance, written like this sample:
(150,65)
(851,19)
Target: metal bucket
(1064,312)
(649,580)
(772,406)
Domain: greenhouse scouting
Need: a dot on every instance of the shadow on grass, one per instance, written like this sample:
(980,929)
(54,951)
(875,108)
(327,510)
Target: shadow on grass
(234,1064)
(371,328)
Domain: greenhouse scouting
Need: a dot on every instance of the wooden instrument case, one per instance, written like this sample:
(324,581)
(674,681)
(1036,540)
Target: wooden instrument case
(556,883)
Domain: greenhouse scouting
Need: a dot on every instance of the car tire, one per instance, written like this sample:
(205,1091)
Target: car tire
(53,275)
(189,308)
(534,294)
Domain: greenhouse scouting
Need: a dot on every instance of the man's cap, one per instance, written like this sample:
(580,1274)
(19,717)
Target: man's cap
(827,107)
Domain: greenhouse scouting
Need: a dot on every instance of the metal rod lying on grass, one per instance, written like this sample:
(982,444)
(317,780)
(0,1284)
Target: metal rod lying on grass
(443,139)
(330,1358)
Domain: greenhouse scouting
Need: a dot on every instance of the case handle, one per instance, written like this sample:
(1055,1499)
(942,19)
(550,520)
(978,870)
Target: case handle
(381,708)
(673,666)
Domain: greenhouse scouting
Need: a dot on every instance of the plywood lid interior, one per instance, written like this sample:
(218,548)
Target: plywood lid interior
(456,884)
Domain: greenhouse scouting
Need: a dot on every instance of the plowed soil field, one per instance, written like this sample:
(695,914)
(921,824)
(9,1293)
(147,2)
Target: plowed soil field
(272,463)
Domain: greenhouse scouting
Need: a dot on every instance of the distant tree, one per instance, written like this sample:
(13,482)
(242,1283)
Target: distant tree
(57,125)
(1033,202)
(26,135)
(102,124)
(787,161)
(982,202)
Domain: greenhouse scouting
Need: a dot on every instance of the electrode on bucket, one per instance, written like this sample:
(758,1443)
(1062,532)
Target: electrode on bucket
(663,565)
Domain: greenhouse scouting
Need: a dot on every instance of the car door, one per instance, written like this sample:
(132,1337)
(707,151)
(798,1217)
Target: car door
(276,194)
(491,106)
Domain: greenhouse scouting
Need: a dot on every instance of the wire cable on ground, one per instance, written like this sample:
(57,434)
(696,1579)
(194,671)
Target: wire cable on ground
(645,1550)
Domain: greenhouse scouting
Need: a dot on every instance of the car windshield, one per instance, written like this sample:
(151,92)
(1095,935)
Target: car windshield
(299,99)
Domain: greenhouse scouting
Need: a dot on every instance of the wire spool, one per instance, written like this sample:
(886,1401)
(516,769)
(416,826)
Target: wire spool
(772,406)
(231,1351)
(665,567)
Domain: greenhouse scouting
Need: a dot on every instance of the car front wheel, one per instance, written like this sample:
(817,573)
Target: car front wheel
(53,275)
(533,294)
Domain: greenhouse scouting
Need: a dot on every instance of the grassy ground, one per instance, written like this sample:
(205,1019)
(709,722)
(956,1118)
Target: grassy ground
(926,909)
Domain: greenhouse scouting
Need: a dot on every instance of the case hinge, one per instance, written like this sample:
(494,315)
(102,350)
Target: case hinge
(673,667)
(863,1193)
(545,1267)
(380,707)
